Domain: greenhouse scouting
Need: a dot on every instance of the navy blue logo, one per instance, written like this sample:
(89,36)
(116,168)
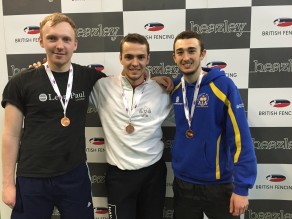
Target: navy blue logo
(280,103)
(155,26)
(96,66)
(32,29)
(96,141)
(216,64)
(276,178)
(283,22)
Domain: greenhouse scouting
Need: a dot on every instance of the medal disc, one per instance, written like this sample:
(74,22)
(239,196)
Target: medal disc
(130,128)
(189,133)
(65,121)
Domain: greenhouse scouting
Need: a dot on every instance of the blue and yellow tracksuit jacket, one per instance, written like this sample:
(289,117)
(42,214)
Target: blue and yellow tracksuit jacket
(221,150)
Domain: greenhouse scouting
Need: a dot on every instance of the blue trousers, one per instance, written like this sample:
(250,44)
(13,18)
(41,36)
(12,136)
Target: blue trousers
(70,193)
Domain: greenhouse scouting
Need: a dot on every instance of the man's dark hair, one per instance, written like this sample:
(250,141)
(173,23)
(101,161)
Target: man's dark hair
(188,35)
(135,38)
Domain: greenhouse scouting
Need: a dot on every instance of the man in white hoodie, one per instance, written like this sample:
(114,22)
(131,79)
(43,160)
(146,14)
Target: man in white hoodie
(132,109)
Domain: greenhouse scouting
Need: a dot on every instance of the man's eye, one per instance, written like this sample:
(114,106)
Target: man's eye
(67,39)
(128,57)
(51,38)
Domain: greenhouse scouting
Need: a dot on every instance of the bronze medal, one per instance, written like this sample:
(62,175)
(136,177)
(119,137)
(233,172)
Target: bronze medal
(130,128)
(189,133)
(65,121)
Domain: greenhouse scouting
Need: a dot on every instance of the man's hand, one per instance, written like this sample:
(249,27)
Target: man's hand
(238,204)
(9,195)
(165,81)
(38,64)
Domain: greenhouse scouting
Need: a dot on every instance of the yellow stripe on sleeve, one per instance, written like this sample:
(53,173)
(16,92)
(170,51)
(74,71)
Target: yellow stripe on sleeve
(224,99)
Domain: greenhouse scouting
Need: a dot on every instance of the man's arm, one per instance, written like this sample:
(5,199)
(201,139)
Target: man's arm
(10,146)
(165,81)
(243,154)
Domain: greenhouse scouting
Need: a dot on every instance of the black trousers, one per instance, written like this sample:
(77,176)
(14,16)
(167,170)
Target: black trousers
(192,201)
(136,194)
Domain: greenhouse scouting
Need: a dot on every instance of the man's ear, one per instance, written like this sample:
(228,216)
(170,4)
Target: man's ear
(173,56)
(120,57)
(148,58)
(203,53)
(76,45)
(41,42)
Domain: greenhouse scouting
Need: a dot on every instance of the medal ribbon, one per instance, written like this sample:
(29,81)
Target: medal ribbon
(195,96)
(135,102)
(56,88)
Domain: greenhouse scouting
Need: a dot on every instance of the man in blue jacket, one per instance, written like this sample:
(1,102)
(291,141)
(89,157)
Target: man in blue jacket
(213,156)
